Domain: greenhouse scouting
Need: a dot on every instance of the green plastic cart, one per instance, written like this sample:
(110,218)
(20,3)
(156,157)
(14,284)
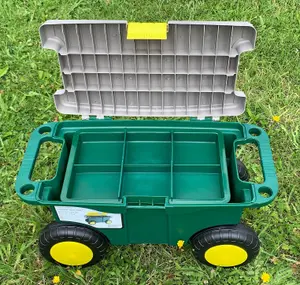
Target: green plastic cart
(159,181)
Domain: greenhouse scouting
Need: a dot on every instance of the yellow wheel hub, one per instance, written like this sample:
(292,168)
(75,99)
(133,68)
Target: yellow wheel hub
(226,255)
(71,253)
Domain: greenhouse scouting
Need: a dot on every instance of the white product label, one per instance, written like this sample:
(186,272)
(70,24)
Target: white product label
(96,219)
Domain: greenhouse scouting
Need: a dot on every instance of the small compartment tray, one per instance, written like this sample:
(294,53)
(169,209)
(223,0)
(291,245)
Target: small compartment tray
(182,166)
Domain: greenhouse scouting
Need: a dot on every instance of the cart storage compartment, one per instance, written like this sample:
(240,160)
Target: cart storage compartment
(181,166)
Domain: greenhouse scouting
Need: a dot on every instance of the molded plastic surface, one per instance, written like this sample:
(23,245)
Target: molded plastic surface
(166,149)
(175,183)
(191,73)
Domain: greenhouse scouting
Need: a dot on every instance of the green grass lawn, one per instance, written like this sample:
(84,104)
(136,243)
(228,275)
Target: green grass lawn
(270,77)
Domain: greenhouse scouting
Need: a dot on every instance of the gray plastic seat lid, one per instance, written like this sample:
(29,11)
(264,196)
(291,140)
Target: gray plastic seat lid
(191,73)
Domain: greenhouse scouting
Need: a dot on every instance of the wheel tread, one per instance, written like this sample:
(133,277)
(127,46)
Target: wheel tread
(239,234)
(59,231)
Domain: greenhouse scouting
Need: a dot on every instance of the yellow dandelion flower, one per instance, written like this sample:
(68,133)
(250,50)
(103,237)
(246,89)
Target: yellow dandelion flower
(56,279)
(78,273)
(180,243)
(276,119)
(265,277)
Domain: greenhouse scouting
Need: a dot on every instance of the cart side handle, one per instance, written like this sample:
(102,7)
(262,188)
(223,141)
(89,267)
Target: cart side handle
(27,189)
(266,192)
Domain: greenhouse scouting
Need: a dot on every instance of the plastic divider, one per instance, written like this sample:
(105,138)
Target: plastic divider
(172,167)
(122,165)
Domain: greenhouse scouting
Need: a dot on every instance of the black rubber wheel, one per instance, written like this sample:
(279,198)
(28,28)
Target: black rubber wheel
(226,246)
(70,244)
(242,170)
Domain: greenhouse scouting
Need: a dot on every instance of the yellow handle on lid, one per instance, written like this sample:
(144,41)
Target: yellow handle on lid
(147,31)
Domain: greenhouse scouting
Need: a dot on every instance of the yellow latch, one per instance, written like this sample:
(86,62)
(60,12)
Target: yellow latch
(147,31)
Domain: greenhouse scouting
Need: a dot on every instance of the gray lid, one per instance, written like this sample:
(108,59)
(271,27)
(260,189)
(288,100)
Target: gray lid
(191,73)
